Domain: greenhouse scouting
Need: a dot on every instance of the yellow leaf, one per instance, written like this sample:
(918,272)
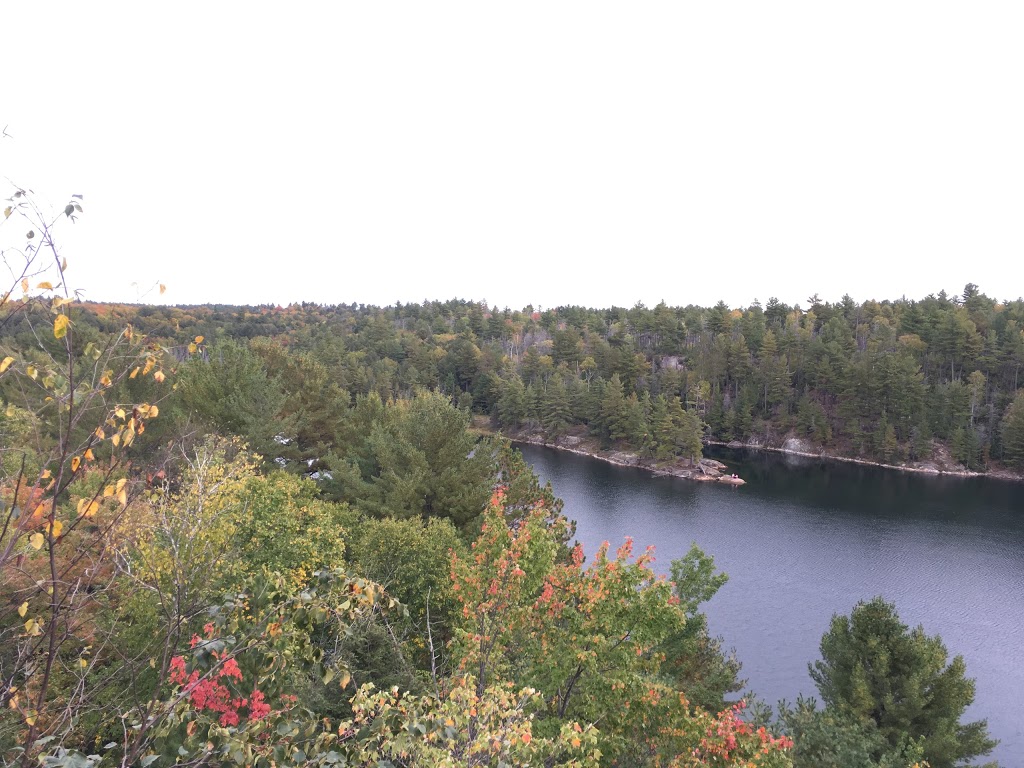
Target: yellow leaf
(162,289)
(154,411)
(344,678)
(192,349)
(23,609)
(87,508)
(36,540)
(8,211)
(24,285)
(75,463)
(123,498)
(46,285)
(6,363)
(134,373)
(109,491)
(89,454)
(122,483)
(83,663)
(31,371)
(56,528)
(116,440)
(100,433)
(45,475)
(199,339)
(60,326)
(31,719)
(159,376)
(105,380)
(120,413)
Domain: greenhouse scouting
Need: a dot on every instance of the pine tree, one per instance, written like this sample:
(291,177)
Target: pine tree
(878,673)
(557,413)
(634,423)
(688,430)
(663,429)
(613,410)
(512,403)
(1013,432)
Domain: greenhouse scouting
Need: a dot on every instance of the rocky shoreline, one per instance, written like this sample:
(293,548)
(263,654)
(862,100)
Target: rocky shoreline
(709,470)
(704,471)
(941,462)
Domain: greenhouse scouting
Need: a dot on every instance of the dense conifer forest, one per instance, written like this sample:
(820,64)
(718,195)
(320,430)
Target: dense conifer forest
(889,381)
(269,536)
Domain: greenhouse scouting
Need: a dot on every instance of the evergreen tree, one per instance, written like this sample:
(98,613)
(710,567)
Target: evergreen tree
(534,404)
(772,372)
(557,412)
(886,445)
(426,464)
(634,426)
(234,394)
(1013,432)
(688,430)
(512,403)
(877,672)
(663,430)
(614,410)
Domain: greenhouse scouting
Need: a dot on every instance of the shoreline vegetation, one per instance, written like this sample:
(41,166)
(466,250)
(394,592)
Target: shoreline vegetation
(712,470)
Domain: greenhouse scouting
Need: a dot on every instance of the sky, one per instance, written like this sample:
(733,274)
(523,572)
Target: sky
(543,153)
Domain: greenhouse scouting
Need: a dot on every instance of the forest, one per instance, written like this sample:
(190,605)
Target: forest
(891,381)
(272,536)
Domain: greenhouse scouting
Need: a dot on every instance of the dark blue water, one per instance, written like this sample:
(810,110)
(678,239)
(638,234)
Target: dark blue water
(805,539)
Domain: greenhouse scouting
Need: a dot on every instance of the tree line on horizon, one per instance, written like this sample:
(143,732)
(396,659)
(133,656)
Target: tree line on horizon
(880,380)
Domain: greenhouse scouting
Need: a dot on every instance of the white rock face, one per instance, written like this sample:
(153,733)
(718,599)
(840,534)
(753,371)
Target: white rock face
(796,444)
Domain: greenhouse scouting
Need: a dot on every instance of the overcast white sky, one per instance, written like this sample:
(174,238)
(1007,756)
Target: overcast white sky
(546,153)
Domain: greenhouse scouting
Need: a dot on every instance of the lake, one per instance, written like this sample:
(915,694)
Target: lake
(806,539)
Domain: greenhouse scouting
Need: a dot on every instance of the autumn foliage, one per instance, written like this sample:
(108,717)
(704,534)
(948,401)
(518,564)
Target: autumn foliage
(586,636)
